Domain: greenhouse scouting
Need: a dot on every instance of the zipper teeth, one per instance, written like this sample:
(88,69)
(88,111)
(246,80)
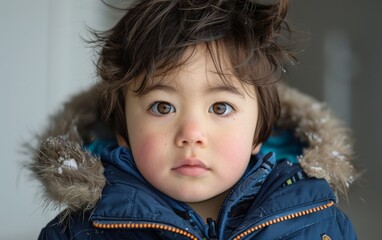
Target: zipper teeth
(143,226)
(282,219)
(189,235)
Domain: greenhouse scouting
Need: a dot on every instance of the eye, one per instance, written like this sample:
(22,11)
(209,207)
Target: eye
(221,108)
(161,108)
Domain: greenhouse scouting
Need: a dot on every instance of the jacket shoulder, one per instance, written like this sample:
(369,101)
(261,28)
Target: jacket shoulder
(303,208)
(75,226)
(53,231)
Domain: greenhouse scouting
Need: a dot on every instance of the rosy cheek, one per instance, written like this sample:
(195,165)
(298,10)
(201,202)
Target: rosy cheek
(148,150)
(144,147)
(236,146)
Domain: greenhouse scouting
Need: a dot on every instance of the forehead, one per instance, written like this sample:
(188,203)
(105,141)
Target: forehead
(202,61)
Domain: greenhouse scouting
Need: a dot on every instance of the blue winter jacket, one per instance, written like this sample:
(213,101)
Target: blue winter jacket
(273,200)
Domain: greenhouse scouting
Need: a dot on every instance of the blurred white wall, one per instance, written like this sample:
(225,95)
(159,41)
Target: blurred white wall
(42,60)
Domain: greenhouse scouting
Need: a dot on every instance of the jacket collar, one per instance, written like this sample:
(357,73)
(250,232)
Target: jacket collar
(128,197)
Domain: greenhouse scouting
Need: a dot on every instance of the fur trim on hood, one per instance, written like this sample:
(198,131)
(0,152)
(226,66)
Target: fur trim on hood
(329,152)
(72,178)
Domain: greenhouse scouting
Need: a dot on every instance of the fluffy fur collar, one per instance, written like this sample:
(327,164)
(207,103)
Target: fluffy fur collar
(74,179)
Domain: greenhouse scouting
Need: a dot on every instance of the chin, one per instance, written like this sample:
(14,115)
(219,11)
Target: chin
(193,197)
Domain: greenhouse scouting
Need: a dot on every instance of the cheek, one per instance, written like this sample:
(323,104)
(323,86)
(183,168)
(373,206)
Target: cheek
(142,141)
(236,151)
(144,146)
(236,146)
(237,138)
(148,151)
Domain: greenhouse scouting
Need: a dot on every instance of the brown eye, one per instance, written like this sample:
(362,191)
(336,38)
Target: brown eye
(221,108)
(161,108)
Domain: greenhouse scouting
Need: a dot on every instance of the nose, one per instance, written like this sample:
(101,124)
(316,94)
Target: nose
(190,133)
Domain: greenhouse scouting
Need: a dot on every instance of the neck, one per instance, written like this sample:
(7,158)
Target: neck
(209,208)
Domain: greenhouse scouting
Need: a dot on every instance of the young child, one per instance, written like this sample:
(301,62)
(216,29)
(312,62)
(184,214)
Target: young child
(189,92)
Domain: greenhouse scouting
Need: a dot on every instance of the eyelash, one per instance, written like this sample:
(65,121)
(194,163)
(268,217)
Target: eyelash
(168,108)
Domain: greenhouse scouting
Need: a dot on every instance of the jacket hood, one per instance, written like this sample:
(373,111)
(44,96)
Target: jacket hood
(72,177)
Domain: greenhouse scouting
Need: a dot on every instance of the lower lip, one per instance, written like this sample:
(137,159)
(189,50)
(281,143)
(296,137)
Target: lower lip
(191,171)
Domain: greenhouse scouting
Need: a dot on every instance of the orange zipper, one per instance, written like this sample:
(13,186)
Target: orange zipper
(190,236)
(282,219)
(145,226)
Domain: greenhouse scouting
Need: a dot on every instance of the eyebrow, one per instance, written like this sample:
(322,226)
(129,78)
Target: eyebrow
(225,88)
(158,87)
(213,89)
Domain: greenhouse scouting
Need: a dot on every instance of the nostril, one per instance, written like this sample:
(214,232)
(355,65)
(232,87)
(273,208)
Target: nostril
(192,142)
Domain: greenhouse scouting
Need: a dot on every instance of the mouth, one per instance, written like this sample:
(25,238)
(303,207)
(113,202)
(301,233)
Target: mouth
(191,168)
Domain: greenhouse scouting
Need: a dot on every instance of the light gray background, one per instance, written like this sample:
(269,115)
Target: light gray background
(341,64)
(43,60)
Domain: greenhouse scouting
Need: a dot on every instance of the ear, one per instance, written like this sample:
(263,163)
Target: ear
(121,141)
(256,149)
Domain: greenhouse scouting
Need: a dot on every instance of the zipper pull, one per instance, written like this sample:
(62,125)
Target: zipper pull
(212,231)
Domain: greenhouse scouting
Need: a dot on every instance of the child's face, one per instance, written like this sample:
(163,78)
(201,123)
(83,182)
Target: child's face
(191,135)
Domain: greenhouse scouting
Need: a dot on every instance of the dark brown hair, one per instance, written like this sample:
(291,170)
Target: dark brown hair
(154,35)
